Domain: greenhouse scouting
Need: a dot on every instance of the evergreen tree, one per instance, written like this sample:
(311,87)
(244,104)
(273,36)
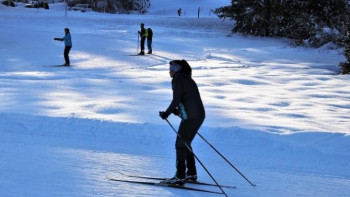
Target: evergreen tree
(345,66)
(307,22)
(304,21)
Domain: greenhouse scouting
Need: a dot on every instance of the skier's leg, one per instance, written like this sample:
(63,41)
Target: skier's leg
(149,46)
(185,131)
(191,164)
(181,149)
(192,126)
(142,46)
(180,161)
(66,54)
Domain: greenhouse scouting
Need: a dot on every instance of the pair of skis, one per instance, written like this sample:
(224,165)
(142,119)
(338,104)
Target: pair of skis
(168,185)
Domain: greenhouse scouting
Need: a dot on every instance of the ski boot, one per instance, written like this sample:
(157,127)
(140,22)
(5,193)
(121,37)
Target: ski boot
(174,181)
(190,178)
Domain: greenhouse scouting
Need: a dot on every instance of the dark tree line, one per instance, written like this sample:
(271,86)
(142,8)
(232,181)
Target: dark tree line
(121,6)
(307,22)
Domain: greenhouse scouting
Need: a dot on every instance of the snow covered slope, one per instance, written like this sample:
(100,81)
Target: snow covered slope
(279,114)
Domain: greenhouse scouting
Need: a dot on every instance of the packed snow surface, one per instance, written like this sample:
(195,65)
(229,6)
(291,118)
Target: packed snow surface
(280,114)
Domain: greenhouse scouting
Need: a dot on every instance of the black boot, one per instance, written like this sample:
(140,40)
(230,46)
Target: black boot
(191,178)
(174,181)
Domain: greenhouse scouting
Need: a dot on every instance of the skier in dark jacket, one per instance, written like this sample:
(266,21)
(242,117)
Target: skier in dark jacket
(143,35)
(68,45)
(149,40)
(187,104)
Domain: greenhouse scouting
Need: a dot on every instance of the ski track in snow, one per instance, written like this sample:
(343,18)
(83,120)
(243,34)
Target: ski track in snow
(280,114)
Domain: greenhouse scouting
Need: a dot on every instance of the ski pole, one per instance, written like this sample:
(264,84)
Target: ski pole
(226,159)
(211,176)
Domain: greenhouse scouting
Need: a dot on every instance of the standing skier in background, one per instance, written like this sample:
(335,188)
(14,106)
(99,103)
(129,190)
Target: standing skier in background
(149,40)
(187,104)
(199,11)
(143,35)
(68,45)
(179,11)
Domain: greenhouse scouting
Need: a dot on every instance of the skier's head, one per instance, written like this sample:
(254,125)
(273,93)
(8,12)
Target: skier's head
(181,66)
(66,30)
(174,67)
(142,25)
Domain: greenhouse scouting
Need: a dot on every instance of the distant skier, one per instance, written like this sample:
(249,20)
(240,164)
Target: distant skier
(149,40)
(199,11)
(68,45)
(179,11)
(143,35)
(187,104)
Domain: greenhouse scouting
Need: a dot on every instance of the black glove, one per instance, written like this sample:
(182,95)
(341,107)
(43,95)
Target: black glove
(163,115)
(57,39)
(176,112)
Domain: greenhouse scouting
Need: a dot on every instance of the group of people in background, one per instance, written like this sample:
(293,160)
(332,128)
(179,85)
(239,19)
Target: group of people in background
(145,34)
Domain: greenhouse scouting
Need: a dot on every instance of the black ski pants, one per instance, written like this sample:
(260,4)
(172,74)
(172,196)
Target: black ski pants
(184,157)
(143,39)
(66,52)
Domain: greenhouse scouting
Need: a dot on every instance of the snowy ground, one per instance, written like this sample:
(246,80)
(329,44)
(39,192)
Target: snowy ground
(279,114)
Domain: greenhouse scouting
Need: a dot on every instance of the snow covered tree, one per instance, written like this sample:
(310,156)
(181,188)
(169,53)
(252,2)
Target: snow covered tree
(142,5)
(249,16)
(307,22)
(123,6)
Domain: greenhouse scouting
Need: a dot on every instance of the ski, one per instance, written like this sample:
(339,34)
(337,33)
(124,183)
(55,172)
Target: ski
(161,179)
(165,185)
(55,66)
(138,55)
